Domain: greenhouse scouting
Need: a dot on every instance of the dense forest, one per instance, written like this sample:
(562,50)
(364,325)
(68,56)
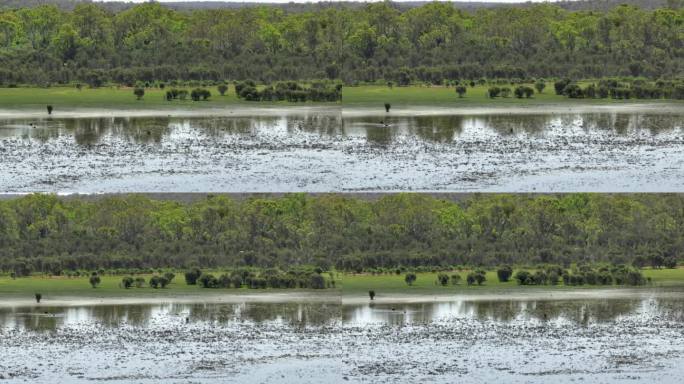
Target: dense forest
(47,45)
(43,233)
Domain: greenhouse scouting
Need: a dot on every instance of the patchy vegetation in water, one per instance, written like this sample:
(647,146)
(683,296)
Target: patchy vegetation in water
(334,152)
(606,340)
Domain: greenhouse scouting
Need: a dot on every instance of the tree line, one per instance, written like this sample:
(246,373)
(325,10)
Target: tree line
(149,42)
(47,234)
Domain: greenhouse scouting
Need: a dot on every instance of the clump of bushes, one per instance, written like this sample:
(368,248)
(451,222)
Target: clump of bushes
(176,94)
(192,276)
(582,275)
(198,94)
(476,277)
(289,91)
(269,278)
(620,90)
(523,91)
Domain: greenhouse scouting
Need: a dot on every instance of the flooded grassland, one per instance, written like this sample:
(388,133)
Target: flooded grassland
(352,150)
(610,339)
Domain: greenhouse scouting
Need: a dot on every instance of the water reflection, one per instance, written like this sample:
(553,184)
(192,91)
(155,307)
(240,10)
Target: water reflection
(580,312)
(380,129)
(43,318)
(499,310)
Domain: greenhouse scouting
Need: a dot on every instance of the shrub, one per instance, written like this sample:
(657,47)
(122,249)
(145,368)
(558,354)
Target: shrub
(523,278)
(317,281)
(480,276)
(127,282)
(198,94)
(455,278)
(38,297)
(470,279)
(155,282)
(670,262)
(519,92)
(573,91)
(208,281)
(560,85)
(504,273)
(528,92)
(139,93)
(539,86)
(461,90)
(371,294)
(224,281)
(169,276)
(443,279)
(236,281)
(94,280)
(222,89)
(493,92)
(554,278)
(192,275)
(410,278)
(139,282)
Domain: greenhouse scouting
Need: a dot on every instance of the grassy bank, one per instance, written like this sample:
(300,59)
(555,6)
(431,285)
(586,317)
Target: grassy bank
(475,96)
(359,284)
(112,97)
(426,283)
(62,98)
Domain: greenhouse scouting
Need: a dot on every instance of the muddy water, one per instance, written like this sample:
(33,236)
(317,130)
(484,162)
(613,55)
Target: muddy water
(591,340)
(324,151)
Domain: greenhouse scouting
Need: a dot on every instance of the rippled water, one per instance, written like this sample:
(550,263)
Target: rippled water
(331,152)
(466,340)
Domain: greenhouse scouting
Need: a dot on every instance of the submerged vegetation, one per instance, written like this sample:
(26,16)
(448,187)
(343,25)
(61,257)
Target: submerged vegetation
(51,235)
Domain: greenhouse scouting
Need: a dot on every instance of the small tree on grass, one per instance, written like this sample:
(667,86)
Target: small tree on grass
(223,89)
(480,277)
(371,294)
(410,278)
(539,86)
(470,279)
(208,281)
(443,279)
(127,282)
(49,109)
(155,282)
(38,297)
(461,90)
(169,276)
(192,275)
(455,278)
(139,282)
(388,106)
(95,280)
(139,93)
(504,273)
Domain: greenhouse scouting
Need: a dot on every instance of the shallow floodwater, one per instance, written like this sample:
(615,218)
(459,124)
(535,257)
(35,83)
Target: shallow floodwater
(332,151)
(462,340)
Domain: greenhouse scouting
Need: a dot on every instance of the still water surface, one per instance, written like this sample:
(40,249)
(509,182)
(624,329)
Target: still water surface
(609,340)
(331,152)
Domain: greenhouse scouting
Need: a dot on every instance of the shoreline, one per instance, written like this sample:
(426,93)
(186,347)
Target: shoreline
(352,110)
(341,298)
